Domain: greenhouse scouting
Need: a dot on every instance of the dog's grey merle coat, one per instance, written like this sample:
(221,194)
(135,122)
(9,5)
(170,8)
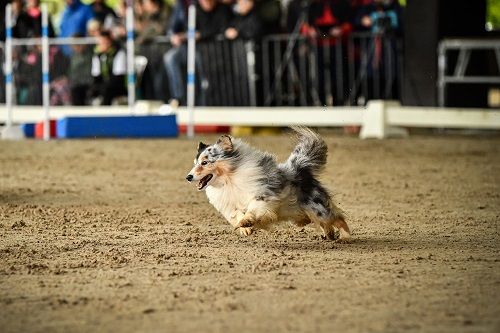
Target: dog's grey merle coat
(253,191)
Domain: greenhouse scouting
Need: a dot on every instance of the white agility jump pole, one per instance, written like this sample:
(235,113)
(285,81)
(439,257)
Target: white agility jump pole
(130,57)
(191,75)
(8,63)
(45,72)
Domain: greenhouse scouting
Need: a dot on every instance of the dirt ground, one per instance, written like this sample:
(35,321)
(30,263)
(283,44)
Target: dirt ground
(107,236)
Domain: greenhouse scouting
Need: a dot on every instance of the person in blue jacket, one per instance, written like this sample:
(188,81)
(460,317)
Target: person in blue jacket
(74,20)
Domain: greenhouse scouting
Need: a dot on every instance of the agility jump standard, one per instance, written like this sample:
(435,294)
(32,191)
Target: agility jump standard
(14,132)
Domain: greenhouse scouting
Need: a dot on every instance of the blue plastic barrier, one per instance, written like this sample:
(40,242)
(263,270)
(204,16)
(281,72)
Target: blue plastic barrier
(118,127)
(28,130)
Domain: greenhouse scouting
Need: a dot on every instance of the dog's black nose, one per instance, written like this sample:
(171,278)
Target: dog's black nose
(189,178)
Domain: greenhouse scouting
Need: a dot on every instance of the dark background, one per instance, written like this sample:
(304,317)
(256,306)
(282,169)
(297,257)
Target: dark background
(426,22)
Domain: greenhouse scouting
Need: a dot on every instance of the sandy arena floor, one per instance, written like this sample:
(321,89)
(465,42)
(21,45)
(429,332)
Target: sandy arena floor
(107,236)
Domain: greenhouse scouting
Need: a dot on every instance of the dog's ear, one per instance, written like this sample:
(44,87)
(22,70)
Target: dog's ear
(201,146)
(225,143)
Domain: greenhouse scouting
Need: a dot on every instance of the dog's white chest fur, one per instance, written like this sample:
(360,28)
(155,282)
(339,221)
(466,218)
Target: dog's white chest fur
(235,194)
(227,201)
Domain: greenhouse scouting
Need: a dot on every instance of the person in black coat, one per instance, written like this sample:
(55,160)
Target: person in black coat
(28,20)
(245,23)
(212,19)
(103,13)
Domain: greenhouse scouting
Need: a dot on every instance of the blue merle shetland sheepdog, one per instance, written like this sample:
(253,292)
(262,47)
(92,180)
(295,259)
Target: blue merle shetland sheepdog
(252,191)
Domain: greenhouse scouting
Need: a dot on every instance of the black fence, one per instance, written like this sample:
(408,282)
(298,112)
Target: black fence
(279,70)
(333,71)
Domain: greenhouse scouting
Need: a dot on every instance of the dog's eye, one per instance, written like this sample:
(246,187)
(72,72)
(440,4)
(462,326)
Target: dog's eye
(204,163)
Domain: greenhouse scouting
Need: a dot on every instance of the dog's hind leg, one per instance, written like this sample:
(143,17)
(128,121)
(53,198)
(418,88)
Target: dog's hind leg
(330,218)
(301,221)
(334,228)
(345,233)
(331,226)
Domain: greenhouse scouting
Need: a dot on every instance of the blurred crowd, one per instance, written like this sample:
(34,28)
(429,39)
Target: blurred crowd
(96,74)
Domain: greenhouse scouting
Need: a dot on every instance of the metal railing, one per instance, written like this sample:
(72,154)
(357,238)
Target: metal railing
(464,47)
(152,84)
(375,63)
(27,69)
(316,72)
(228,73)
(300,71)
(66,77)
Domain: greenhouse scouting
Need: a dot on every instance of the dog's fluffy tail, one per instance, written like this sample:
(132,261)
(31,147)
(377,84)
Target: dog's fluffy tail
(310,153)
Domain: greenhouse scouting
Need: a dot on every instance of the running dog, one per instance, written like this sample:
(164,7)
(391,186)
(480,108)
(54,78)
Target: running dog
(252,191)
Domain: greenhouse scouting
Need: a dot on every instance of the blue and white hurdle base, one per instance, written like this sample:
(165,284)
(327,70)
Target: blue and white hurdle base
(118,127)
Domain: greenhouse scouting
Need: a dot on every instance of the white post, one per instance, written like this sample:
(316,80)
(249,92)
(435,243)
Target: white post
(252,77)
(374,121)
(45,71)
(130,57)
(9,132)
(191,67)
(8,63)
(375,124)
(441,75)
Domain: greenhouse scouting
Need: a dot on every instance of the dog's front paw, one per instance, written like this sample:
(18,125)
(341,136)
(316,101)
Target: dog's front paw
(245,231)
(246,223)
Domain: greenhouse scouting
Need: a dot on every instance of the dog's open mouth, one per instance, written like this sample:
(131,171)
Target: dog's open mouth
(204,181)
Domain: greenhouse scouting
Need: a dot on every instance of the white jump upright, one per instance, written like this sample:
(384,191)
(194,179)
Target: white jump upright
(130,57)
(8,63)
(376,123)
(9,132)
(45,72)
(191,54)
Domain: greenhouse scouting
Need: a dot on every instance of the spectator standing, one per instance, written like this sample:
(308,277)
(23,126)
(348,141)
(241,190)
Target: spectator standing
(20,20)
(357,5)
(211,20)
(154,21)
(118,29)
(28,19)
(28,24)
(103,13)
(269,12)
(2,26)
(153,24)
(29,82)
(94,28)
(379,16)
(80,78)
(59,86)
(382,19)
(328,24)
(28,86)
(328,19)
(74,20)
(245,23)
(109,69)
